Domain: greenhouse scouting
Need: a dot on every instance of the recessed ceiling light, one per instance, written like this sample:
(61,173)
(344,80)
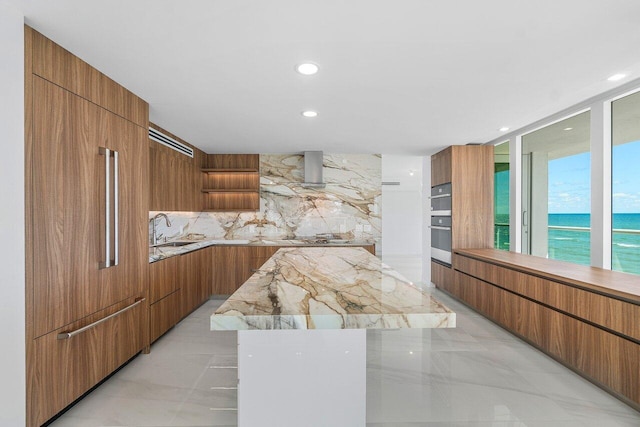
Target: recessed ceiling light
(617,77)
(310,113)
(307,68)
(504,129)
(568,128)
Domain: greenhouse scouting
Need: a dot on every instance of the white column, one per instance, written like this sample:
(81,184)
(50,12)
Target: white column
(515,194)
(12,293)
(601,185)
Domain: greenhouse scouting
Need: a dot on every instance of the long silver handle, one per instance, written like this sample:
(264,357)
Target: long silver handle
(437,227)
(115,207)
(108,176)
(107,207)
(440,196)
(67,335)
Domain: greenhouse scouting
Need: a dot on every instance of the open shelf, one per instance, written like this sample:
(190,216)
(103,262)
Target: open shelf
(231,182)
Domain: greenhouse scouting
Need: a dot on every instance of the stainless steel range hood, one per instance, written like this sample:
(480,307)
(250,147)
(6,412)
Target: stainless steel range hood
(313,169)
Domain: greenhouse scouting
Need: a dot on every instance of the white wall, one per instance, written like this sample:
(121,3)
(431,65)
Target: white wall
(12,311)
(426,215)
(402,215)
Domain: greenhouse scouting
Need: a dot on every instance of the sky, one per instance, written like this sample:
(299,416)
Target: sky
(570,181)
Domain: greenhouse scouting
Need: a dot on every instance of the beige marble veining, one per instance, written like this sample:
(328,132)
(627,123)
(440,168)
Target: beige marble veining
(329,288)
(348,204)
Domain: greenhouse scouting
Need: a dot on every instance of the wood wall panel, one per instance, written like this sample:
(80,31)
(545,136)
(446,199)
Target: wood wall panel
(472,196)
(59,66)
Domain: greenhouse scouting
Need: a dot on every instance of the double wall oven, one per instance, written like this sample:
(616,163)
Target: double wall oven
(441,224)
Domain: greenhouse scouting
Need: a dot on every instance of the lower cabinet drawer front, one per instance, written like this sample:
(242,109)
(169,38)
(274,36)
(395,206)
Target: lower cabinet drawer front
(61,370)
(606,358)
(442,277)
(611,313)
(165,314)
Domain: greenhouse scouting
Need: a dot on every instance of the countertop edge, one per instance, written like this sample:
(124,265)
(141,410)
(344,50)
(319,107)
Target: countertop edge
(197,245)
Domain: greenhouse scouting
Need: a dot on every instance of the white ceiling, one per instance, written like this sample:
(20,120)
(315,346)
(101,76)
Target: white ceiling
(396,77)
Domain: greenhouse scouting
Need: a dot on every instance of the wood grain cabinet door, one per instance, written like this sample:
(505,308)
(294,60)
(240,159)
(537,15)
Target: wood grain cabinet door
(69,208)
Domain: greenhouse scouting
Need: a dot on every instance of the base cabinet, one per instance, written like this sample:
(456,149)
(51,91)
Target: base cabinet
(164,315)
(61,370)
(194,277)
(594,334)
(164,293)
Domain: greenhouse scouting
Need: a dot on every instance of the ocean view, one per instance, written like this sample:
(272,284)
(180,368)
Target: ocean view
(569,239)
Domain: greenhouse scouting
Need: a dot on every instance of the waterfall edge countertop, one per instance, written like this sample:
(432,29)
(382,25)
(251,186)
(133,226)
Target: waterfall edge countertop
(329,288)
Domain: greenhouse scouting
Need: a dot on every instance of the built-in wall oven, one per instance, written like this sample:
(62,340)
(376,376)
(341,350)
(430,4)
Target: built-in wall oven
(441,224)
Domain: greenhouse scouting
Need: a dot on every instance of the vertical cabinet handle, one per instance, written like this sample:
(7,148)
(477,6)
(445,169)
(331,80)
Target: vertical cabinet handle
(115,207)
(108,208)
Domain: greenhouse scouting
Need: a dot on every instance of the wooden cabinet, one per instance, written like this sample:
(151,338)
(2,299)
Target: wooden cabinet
(231,268)
(164,297)
(175,178)
(163,278)
(231,182)
(234,265)
(61,370)
(594,333)
(72,113)
(441,167)
(195,277)
(69,218)
(442,276)
(164,315)
(469,169)
(258,255)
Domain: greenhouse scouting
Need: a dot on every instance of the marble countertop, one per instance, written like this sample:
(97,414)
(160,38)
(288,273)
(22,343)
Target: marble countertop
(329,288)
(162,252)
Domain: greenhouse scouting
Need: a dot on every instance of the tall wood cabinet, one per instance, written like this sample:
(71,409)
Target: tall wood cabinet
(469,169)
(87,252)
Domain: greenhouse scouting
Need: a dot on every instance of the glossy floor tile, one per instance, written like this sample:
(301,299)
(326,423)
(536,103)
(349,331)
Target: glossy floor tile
(474,375)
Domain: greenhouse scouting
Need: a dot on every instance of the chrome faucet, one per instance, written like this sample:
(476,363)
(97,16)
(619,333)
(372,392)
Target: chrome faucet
(154,236)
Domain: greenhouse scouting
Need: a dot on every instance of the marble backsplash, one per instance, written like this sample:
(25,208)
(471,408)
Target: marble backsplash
(348,205)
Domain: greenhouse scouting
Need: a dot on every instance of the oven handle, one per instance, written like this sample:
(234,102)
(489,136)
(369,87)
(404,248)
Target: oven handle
(437,227)
(440,196)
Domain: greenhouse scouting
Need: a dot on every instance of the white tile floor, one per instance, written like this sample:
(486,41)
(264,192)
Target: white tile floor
(474,375)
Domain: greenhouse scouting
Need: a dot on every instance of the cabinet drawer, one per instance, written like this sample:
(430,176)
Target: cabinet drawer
(603,357)
(165,314)
(611,313)
(163,278)
(61,370)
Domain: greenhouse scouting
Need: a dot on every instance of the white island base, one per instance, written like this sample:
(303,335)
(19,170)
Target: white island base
(302,378)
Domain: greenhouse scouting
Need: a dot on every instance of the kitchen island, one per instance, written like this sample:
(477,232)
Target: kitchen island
(302,321)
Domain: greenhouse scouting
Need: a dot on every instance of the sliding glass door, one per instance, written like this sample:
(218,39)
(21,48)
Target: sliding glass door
(557,190)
